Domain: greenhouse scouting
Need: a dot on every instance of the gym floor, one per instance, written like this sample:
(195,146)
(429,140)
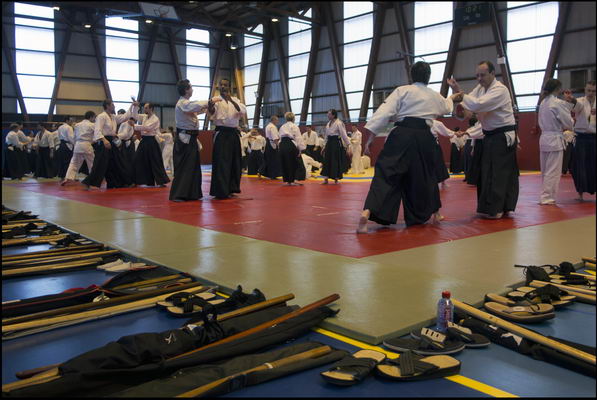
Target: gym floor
(302,240)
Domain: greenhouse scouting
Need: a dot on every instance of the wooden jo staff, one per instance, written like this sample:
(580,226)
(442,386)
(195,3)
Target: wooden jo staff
(33,240)
(54,259)
(52,252)
(313,353)
(7,273)
(582,295)
(528,334)
(52,372)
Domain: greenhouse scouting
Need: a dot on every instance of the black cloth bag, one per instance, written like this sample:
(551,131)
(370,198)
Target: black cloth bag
(186,184)
(144,358)
(497,186)
(148,164)
(226,163)
(191,378)
(405,171)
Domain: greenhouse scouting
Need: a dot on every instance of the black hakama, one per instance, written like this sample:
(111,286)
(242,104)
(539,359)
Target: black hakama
(13,167)
(63,156)
(497,185)
(128,155)
(31,160)
(23,161)
(474,167)
(226,159)
(334,159)
(108,164)
(291,161)
(255,161)
(455,159)
(186,184)
(582,164)
(270,166)
(405,171)
(467,159)
(44,167)
(148,163)
(566,162)
(441,172)
(310,151)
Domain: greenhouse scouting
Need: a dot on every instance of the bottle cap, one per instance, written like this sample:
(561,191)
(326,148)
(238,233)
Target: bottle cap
(446,294)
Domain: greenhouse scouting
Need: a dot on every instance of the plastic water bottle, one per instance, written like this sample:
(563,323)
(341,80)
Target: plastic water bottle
(445,312)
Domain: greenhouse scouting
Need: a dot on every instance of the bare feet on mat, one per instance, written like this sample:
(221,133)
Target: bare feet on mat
(64,182)
(336,181)
(325,182)
(87,187)
(580,198)
(436,218)
(362,228)
(494,216)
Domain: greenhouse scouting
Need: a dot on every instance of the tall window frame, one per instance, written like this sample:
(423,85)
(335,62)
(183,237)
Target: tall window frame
(198,65)
(252,52)
(530,31)
(35,60)
(122,60)
(299,48)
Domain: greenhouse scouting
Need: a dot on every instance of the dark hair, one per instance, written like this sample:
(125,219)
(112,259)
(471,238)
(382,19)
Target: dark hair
(132,119)
(224,79)
(472,121)
(66,118)
(89,114)
(457,129)
(182,86)
(551,85)
(121,111)
(591,82)
(489,64)
(106,103)
(334,112)
(150,105)
(13,127)
(420,72)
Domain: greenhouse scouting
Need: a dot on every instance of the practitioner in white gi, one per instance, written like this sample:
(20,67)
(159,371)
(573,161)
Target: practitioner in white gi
(291,145)
(497,186)
(83,150)
(255,148)
(271,161)
(310,139)
(64,153)
(356,139)
(148,164)
(554,118)
(334,155)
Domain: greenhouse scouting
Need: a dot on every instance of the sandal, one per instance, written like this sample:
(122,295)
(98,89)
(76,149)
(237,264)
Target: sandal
(430,342)
(524,314)
(410,367)
(547,294)
(177,299)
(465,335)
(353,368)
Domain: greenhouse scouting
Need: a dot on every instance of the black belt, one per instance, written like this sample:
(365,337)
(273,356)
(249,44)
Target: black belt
(501,129)
(187,131)
(226,128)
(413,122)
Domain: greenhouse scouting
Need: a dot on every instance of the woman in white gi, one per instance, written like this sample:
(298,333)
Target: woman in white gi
(355,149)
(148,164)
(256,148)
(554,119)
(13,168)
(291,145)
(334,155)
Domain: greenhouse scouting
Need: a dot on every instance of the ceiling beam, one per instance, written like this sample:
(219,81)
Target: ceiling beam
(315,38)
(501,50)
(13,73)
(147,64)
(262,74)
(281,65)
(404,39)
(379,18)
(61,62)
(173,54)
(217,68)
(452,50)
(100,62)
(286,13)
(329,22)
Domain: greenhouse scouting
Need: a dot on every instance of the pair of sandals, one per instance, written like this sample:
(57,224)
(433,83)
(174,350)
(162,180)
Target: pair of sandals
(185,304)
(408,367)
(519,308)
(427,341)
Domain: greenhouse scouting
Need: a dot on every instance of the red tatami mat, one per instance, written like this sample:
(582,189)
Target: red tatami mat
(324,218)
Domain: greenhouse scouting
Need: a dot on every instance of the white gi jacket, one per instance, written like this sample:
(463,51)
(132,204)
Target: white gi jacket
(554,118)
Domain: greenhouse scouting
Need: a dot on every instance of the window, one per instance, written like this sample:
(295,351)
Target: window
(358,31)
(34,57)
(198,62)
(529,36)
(252,53)
(299,46)
(433,30)
(122,61)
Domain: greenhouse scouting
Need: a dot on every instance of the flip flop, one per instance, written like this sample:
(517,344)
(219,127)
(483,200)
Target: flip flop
(524,314)
(411,367)
(510,302)
(430,342)
(193,306)
(465,335)
(353,368)
(177,299)
(547,294)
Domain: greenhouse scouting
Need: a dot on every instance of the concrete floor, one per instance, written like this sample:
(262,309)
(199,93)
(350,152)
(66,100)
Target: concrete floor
(381,296)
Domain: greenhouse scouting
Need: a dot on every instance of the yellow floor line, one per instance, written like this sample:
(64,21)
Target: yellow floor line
(462,380)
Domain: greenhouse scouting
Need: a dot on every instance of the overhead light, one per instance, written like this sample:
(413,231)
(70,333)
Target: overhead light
(148,21)
(56,8)
(275,19)
(232,47)
(87,26)
(228,34)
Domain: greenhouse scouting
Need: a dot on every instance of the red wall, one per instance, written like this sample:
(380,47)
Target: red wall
(528,132)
